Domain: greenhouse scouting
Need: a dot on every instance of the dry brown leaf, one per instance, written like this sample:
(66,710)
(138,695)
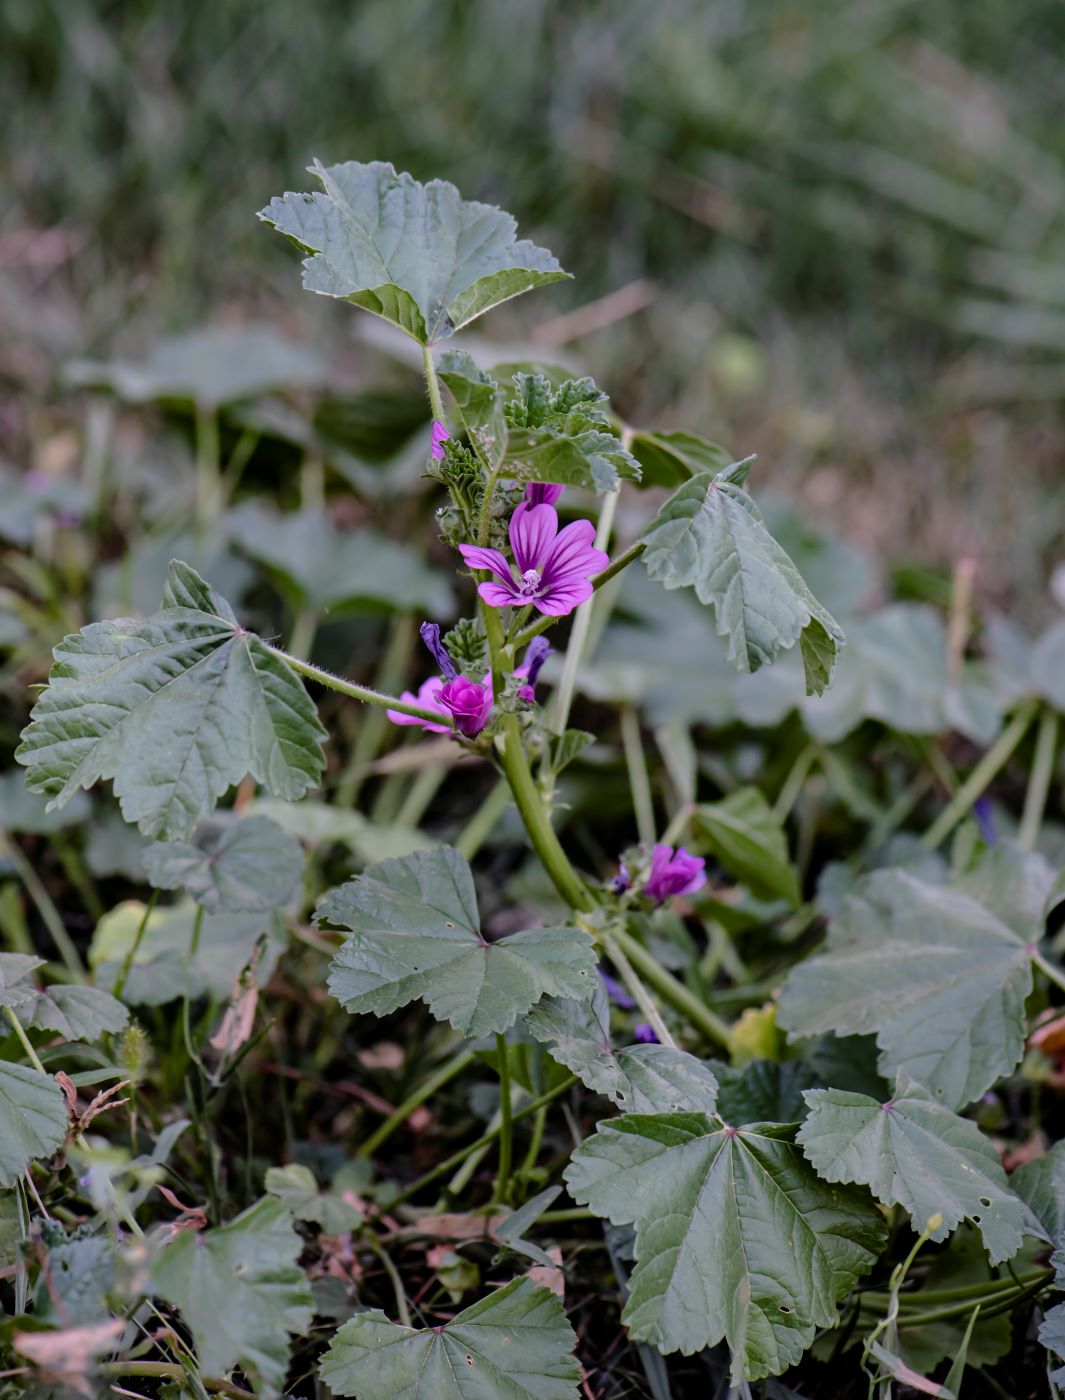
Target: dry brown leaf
(67,1357)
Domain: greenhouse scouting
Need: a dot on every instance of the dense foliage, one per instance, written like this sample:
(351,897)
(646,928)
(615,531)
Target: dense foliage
(373,1030)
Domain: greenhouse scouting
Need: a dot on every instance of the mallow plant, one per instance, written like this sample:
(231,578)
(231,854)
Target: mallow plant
(834,1192)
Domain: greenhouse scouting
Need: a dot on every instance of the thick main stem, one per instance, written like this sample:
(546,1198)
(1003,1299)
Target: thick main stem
(436,403)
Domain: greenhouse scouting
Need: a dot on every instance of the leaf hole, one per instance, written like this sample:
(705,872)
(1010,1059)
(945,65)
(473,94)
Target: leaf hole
(469,1359)
(975,1219)
(985,1200)
(448,923)
(783,1309)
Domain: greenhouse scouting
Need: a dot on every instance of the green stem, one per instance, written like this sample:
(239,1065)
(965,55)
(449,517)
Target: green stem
(485,1140)
(436,403)
(131,952)
(375,725)
(1049,971)
(638,991)
(983,774)
(166,1371)
(639,781)
(50,915)
(670,989)
(1035,799)
(356,692)
(581,624)
(484,821)
(31,1054)
(397,1283)
(988,1291)
(534,814)
(506,1123)
(793,783)
(304,630)
(424,1091)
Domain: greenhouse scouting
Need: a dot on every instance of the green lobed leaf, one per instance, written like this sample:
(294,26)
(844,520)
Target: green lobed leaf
(248,864)
(25,811)
(639,1078)
(175,710)
(478,400)
(419,256)
(415,934)
(736,1238)
(295,1187)
(670,458)
(75,1012)
(940,973)
(316,566)
(593,458)
(750,843)
(513,1345)
(914,1153)
(33,1119)
(72,1289)
(1052,1335)
(761,1091)
(710,536)
(240,1290)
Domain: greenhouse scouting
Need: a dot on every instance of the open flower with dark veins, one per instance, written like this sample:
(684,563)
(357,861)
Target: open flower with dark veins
(552,569)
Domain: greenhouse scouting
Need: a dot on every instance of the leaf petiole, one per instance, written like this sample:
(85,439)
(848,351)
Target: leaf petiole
(356,692)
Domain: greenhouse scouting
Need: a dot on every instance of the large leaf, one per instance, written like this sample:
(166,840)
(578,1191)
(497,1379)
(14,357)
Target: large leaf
(416,934)
(162,970)
(1042,1185)
(175,709)
(761,1091)
(639,1078)
(750,843)
(940,973)
(74,1012)
(669,458)
(240,1290)
(213,366)
(33,1119)
(513,1345)
(417,255)
(914,1153)
(297,1189)
(710,536)
(22,810)
(316,566)
(250,864)
(736,1238)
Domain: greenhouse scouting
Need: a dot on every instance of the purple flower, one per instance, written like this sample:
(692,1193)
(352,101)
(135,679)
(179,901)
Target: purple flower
(430,635)
(440,436)
(621,881)
(539,649)
(542,493)
(469,702)
(616,992)
(644,1034)
(554,567)
(429,698)
(985,820)
(674,872)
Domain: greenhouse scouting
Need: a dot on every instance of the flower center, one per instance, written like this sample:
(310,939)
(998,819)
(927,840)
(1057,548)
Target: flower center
(530,583)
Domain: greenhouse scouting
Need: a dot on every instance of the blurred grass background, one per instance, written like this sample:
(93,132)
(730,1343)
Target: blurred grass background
(832,234)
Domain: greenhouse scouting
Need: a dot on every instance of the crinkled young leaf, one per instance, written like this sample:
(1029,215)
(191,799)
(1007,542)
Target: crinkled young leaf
(33,1119)
(750,843)
(240,1290)
(295,1187)
(736,1238)
(513,1345)
(249,864)
(761,1091)
(175,709)
(913,1152)
(316,566)
(593,458)
(639,1078)
(710,536)
(417,255)
(478,400)
(415,934)
(940,973)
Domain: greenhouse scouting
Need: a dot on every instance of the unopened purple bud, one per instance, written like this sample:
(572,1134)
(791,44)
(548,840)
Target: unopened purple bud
(616,992)
(430,634)
(985,820)
(674,872)
(537,652)
(542,493)
(644,1034)
(469,703)
(440,436)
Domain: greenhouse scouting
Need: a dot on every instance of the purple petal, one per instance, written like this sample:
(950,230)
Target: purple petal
(643,1034)
(573,551)
(477,557)
(430,635)
(501,595)
(428,696)
(562,598)
(537,652)
(542,493)
(616,992)
(440,436)
(532,533)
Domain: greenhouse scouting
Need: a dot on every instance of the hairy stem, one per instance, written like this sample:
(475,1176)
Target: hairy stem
(356,692)
(436,403)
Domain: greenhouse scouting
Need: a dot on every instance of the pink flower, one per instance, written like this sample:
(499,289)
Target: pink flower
(674,872)
(429,698)
(440,436)
(554,567)
(542,493)
(469,702)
